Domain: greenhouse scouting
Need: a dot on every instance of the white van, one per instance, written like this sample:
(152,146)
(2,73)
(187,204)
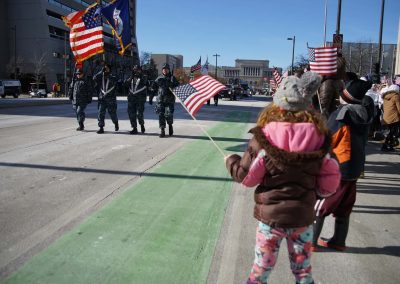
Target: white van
(10,88)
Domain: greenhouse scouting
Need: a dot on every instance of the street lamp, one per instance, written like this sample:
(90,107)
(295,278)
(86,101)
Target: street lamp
(294,42)
(15,50)
(216,64)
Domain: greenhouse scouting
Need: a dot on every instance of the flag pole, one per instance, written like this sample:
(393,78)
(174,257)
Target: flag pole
(199,125)
(326,15)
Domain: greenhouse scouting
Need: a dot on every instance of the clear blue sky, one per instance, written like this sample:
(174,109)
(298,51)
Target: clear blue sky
(256,29)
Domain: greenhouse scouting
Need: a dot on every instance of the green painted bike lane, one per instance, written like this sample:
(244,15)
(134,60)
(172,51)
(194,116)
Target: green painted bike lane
(163,229)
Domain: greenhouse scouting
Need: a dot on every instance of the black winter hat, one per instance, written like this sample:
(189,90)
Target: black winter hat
(355,91)
(165,66)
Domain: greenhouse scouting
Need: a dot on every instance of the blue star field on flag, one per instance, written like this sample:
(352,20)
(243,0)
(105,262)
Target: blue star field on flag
(90,19)
(184,91)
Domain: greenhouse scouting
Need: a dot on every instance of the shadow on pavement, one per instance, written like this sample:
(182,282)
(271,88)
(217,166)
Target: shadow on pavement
(156,134)
(375,209)
(111,172)
(386,250)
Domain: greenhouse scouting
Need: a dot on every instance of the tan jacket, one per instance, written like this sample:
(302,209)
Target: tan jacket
(391,107)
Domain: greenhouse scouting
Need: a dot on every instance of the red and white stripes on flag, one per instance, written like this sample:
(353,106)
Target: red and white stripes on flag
(86,34)
(323,60)
(277,76)
(272,84)
(194,94)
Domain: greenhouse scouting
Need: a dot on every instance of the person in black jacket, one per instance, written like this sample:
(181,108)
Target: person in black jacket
(80,94)
(349,125)
(106,83)
(165,99)
(137,85)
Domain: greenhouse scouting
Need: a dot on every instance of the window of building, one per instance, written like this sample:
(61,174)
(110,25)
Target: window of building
(84,3)
(58,4)
(57,33)
(54,15)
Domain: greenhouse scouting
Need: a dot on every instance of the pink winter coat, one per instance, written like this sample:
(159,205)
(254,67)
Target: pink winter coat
(296,137)
(290,164)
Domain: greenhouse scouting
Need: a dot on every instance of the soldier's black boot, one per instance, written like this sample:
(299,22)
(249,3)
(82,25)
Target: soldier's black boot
(100,131)
(162,134)
(116,127)
(142,129)
(170,130)
(133,131)
(81,127)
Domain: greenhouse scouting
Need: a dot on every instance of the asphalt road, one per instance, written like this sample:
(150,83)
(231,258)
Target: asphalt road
(53,177)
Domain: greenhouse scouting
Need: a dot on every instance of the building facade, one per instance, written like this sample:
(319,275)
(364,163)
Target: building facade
(252,72)
(174,61)
(37,40)
(361,57)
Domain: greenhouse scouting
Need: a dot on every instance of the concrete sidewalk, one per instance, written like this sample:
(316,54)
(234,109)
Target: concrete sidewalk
(373,241)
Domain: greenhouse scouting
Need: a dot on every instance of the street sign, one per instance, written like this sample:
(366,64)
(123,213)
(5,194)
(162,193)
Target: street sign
(338,41)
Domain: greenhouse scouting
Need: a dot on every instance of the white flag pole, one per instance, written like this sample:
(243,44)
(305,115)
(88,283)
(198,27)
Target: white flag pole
(201,127)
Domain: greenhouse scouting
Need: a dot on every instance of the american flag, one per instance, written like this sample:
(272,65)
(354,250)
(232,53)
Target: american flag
(272,84)
(323,60)
(204,69)
(194,94)
(277,76)
(196,67)
(86,35)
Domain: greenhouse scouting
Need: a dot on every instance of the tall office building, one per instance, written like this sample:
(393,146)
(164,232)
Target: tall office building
(36,40)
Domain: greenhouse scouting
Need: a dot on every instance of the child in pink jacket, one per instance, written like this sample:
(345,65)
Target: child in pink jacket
(288,159)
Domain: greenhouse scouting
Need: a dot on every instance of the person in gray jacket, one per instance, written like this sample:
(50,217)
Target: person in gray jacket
(137,84)
(80,94)
(165,99)
(106,84)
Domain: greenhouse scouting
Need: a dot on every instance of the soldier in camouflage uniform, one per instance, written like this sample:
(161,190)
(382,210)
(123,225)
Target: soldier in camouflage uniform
(80,94)
(137,84)
(106,83)
(165,99)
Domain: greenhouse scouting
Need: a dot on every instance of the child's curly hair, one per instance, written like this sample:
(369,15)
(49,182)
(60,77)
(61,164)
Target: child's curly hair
(273,113)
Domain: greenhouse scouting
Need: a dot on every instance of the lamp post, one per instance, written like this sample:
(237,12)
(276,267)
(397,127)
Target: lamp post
(65,65)
(15,50)
(216,64)
(377,69)
(294,42)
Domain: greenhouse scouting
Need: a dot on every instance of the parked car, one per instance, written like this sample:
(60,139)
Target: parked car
(38,90)
(227,93)
(9,87)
